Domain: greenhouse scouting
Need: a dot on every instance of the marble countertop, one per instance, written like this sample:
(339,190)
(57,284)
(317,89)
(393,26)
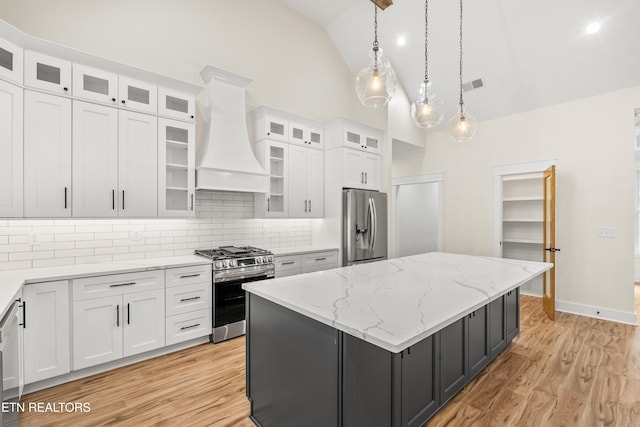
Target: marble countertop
(11,281)
(296,250)
(398,302)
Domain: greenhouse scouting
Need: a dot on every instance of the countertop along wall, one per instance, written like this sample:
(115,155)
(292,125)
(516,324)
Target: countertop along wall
(592,140)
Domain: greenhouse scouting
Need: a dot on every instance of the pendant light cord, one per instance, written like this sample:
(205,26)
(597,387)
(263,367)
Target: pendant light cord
(375,36)
(461,101)
(426,42)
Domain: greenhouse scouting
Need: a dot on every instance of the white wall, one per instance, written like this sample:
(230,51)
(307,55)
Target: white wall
(592,139)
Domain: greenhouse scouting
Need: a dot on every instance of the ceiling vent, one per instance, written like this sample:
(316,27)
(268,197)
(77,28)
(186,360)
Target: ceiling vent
(472,85)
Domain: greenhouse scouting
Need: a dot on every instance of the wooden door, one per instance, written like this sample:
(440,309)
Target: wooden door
(549,249)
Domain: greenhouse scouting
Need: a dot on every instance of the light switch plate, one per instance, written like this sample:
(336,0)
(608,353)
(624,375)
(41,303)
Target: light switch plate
(608,232)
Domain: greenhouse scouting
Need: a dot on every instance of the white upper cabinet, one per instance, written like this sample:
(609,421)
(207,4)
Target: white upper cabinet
(137,95)
(95,160)
(361,170)
(281,126)
(176,104)
(274,158)
(47,73)
(47,155)
(306,188)
(10,61)
(95,85)
(310,136)
(137,165)
(347,133)
(270,127)
(11,149)
(176,168)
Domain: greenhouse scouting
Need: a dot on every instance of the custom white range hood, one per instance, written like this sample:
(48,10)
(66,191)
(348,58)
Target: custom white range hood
(227,161)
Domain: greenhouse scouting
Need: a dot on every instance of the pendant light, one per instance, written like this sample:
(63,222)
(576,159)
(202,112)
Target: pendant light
(426,110)
(376,83)
(461,126)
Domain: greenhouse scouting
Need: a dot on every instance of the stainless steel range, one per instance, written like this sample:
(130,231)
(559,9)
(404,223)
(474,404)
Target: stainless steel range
(233,266)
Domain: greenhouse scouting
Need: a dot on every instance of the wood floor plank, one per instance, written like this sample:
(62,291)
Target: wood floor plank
(576,371)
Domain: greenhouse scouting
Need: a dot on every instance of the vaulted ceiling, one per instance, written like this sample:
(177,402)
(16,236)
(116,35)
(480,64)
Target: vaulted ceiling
(529,54)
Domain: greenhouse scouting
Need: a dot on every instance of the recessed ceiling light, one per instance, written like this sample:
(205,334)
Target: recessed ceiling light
(401,40)
(593,27)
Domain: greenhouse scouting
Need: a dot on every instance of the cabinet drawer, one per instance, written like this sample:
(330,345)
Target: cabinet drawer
(285,273)
(184,327)
(117,284)
(188,275)
(184,299)
(289,262)
(328,259)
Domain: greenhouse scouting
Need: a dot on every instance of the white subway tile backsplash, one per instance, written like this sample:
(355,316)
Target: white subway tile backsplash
(222,218)
(19,256)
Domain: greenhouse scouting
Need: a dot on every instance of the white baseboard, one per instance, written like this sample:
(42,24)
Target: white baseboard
(531,292)
(596,312)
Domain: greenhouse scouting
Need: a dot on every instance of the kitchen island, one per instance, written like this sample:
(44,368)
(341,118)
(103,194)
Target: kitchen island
(379,344)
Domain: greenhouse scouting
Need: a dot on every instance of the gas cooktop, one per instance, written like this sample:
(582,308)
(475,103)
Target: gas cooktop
(233,252)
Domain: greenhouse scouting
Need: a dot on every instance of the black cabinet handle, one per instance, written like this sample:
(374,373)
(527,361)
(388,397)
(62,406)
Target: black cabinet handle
(113,199)
(24,315)
(113,99)
(321,259)
(185,276)
(65,197)
(189,327)
(122,199)
(191,201)
(124,102)
(118,316)
(66,89)
(288,263)
(189,299)
(128,314)
(552,250)
(192,116)
(122,284)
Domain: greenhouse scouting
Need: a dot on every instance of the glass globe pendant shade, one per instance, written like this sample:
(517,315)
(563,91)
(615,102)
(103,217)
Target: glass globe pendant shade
(376,83)
(461,126)
(426,110)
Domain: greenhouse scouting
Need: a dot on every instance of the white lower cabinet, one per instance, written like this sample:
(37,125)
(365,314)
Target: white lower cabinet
(129,318)
(188,303)
(46,330)
(289,265)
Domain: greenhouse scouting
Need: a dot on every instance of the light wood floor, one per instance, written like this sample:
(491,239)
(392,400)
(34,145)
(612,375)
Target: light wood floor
(575,371)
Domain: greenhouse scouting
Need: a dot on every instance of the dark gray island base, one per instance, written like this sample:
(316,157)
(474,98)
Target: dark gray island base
(301,372)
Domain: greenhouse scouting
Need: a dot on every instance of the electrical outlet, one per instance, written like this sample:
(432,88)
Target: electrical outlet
(33,239)
(135,235)
(608,232)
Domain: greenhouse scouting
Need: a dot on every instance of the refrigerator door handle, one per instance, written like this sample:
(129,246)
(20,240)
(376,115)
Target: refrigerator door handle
(372,226)
(374,232)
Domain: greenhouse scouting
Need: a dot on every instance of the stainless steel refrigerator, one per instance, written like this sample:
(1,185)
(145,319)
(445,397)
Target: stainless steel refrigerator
(364,228)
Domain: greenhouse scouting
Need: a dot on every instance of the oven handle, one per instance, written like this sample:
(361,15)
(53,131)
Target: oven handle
(241,277)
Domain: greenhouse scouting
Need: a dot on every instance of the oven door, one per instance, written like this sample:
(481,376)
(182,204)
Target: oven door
(229,300)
